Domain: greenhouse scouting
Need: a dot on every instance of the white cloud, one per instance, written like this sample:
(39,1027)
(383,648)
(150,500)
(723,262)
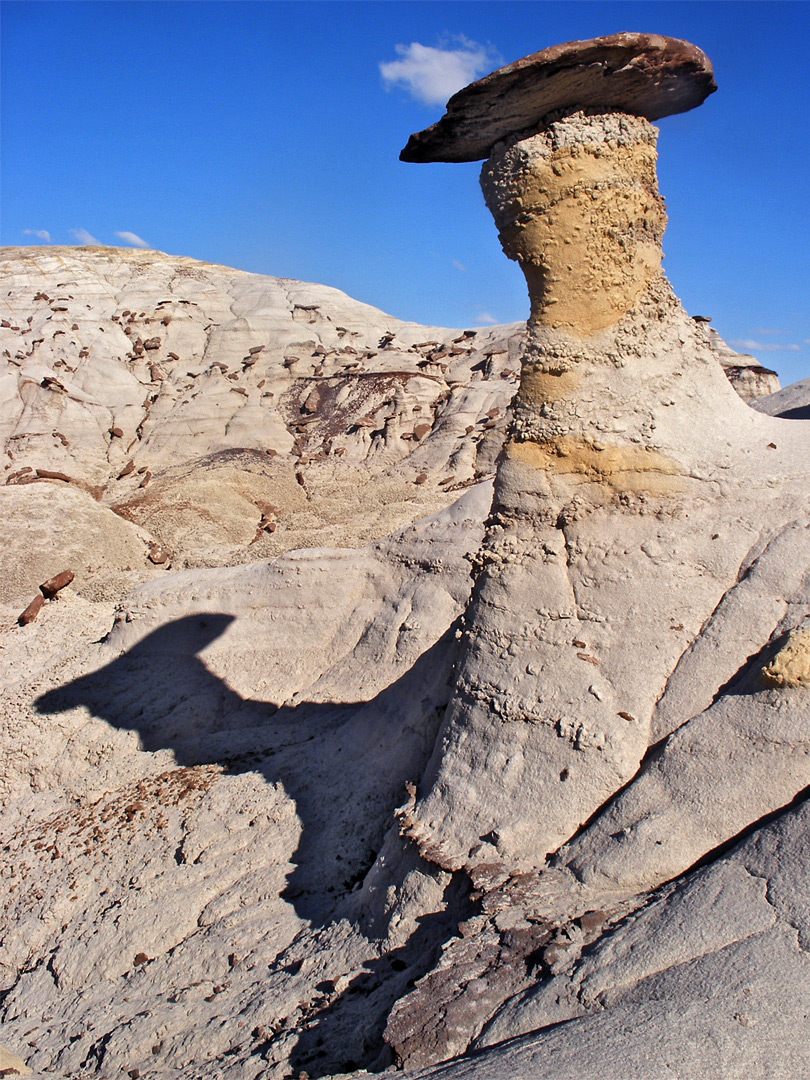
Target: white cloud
(759,346)
(484,317)
(132,239)
(458,265)
(83,237)
(433,75)
(40,234)
(765,330)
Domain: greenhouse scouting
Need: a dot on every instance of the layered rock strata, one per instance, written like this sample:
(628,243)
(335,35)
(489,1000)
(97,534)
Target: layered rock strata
(577,206)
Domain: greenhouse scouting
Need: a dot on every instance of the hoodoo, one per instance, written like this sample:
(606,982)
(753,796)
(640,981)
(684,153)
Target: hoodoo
(627,517)
(551,700)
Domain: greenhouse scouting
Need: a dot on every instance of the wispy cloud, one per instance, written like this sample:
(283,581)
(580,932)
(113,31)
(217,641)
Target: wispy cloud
(433,75)
(458,265)
(483,318)
(765,330)
(83,237)
(760,346)
(40,234)
(132,240)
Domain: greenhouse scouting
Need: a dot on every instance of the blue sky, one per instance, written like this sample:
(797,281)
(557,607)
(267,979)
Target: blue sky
(264,135)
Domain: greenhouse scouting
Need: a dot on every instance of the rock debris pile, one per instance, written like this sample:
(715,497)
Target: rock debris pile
(528,774)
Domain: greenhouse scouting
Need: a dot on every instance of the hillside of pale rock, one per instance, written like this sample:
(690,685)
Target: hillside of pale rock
(221,769)
(229,416)
(790,403)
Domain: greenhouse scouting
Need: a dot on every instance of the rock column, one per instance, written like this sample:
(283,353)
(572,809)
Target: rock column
(573,628)
(612,721)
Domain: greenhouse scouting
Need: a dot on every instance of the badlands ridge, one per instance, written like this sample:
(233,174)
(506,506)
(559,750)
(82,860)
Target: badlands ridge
(422,699)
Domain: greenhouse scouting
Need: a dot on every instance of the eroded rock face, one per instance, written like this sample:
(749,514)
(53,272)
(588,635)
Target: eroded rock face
(712,973)
(593,454)
(749,378)
(46,526)
(210,760)
(272,414)
(619,526)
(395,802)
(240,739)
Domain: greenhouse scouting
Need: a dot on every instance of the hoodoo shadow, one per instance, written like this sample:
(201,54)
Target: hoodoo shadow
(164,691)
(334,760)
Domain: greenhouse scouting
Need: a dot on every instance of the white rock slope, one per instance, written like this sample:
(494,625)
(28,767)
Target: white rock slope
(235,416)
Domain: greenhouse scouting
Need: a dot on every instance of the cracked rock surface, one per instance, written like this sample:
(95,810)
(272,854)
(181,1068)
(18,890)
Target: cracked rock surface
(709,977)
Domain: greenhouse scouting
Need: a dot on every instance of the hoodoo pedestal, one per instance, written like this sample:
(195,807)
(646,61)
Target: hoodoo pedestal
(621,704)
(577,205)
(552,711)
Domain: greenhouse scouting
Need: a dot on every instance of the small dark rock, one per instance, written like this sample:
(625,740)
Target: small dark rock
(158,554)
(50,588)
(31,611)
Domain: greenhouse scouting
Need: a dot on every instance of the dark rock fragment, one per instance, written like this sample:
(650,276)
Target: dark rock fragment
(50,588)
(31,611)
(158,554)
(48,474)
